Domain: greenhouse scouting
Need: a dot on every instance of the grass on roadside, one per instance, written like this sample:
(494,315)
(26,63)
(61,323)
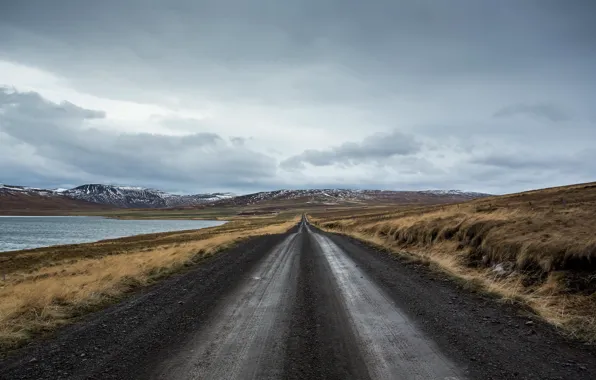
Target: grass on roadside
(49,287)
(537,247)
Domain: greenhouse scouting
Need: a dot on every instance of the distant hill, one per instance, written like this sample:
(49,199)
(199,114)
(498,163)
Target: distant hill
(18,200)
(99,196)
(138,197)
(105,195)
(345,196)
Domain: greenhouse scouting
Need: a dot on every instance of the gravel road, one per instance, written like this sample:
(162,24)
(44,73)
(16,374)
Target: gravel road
(305,305)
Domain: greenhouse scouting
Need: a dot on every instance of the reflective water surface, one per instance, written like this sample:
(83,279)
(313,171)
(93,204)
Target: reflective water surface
(18,232)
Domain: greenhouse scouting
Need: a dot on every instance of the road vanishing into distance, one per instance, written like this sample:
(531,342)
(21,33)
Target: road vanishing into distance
(305,305)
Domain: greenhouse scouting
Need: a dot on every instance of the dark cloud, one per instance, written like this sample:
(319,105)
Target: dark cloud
(239,141)
(372,148)
(301,52)
(39,130)
(300,78)
(548,112)
(556,163)
(36,107)
(521,166)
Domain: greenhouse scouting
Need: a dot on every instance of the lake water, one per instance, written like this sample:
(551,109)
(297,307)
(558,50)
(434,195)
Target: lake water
(42,231)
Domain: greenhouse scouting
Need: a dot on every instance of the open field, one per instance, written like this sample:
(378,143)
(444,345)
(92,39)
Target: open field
(28,204)
(536,247)
(304,304)
(44,288)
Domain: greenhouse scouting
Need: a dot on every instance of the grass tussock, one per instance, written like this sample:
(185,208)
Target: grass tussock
(537,247)
(49,287)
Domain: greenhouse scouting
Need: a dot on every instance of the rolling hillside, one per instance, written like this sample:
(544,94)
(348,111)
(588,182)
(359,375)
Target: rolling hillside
(102,197)
(331,197)
(15,200)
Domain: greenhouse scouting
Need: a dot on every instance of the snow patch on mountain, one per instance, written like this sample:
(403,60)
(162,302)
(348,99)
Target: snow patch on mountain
(139,197)
(120,196)
(349,196)
(469,194)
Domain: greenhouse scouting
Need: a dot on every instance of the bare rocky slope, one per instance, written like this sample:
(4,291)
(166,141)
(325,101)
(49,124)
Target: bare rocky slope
(112,196)
(16,200)
(347,196)
(138,197)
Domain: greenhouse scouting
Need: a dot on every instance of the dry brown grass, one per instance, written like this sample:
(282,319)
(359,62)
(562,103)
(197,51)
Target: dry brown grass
(537,247)
(49,287)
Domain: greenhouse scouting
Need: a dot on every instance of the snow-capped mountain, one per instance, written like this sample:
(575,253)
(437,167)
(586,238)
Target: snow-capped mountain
(138,197)
(465,194)
(20,200)
(118,196)
(346,196)
(22,190)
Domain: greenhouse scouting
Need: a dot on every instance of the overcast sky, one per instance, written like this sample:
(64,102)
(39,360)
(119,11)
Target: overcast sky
(246,95)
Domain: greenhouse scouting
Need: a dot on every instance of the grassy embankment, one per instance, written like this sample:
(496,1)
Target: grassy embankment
(48,287)
(537,248)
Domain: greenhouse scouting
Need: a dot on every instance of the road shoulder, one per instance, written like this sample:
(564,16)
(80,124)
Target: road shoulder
(488,338)
(124,340)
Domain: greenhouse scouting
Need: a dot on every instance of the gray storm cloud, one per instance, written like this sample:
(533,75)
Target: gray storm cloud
(45,131)
(298,50)
(491,96)
(544,111)
(372,148)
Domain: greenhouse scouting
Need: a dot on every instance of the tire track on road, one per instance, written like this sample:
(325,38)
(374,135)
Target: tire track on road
(320,344)
(244,339)
(390,344)
(304,305)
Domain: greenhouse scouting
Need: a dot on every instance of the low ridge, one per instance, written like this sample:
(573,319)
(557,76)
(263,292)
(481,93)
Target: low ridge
(139,197)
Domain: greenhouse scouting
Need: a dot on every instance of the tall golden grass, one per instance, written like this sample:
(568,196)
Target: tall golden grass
(49,287)
(538,247)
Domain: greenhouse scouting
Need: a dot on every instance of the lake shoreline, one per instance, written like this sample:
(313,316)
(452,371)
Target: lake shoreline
(63,283)
(19,232)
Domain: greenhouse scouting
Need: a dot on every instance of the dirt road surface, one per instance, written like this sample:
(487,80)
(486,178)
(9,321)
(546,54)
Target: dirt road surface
(305,305)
